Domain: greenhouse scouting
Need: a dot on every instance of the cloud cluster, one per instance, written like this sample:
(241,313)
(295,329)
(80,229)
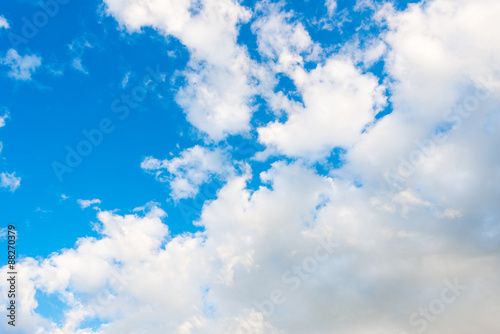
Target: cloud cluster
(374,263)
(402,238)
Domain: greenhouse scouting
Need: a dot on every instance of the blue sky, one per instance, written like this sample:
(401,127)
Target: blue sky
(231,123)
(60,102)
(55,109)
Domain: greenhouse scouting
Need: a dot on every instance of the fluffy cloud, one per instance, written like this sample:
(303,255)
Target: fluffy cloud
(444,105)
(85,203)
(338,100)
(319,244)
(220,79)
(10,181)
(217,99)
(190,170)
(21,67)
(402,238)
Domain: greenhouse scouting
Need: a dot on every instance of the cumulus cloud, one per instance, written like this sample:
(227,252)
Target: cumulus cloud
(10,181)
(220,78)
(186,173)
(443,104)
(21,67)
(338,100)
(314,241)
(85,203)
(406,226)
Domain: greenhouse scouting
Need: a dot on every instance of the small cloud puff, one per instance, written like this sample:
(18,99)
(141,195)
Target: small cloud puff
(3,23)
(10,181)
(3,118)
(85,203)
(21,67)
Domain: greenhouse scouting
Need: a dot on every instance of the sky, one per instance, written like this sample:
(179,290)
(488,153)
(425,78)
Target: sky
(225,166)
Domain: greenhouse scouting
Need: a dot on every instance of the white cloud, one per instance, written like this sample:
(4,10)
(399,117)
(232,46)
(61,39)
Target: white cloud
(220,79)
(281,39)
(331,6)
(223,278)
(186,173)
(21,67)
(436,78)
(85,203)
(125,79)
(339,103)
(77,49)
(10,181)
(400,243)
(3,23)
(64,197)
(3,118)
(338,100)
(78,65)
(217,98)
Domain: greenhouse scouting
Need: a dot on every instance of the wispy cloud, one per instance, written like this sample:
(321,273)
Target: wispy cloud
(3,23)
(21,67)
(3,118)
(85,203)
(10,181)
